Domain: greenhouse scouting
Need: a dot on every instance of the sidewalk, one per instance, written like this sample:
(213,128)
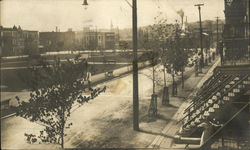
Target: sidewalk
(191,85)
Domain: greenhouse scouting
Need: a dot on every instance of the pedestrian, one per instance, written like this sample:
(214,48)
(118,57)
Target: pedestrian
(88,77)
(104,89)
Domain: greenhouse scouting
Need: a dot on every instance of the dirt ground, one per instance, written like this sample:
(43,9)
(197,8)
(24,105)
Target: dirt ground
(106,122)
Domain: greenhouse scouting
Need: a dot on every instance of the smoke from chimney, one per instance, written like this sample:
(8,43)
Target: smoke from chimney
(181,14)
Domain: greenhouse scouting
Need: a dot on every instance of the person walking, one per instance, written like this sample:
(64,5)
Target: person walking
(89,80)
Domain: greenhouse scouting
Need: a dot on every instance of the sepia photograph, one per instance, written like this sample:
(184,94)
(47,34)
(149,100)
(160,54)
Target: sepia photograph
(125,74)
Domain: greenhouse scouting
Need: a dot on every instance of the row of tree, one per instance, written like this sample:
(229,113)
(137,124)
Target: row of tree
(166,45)
(57,87)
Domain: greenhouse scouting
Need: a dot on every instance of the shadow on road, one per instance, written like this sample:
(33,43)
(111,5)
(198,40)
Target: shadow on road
(170,105)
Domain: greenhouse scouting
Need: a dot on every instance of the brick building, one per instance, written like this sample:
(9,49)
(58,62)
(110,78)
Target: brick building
(236,31)
(15,41)
(106,40)
(218,116)
(93,39)
(57,41)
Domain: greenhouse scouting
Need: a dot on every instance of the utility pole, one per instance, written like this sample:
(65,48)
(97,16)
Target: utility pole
(202,58)
(217,35)
(135,66)
(96,37)
(135,70)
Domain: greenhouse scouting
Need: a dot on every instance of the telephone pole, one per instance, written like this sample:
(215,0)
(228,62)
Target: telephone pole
(217,35)
(202,58)
(135,65)
(135,70)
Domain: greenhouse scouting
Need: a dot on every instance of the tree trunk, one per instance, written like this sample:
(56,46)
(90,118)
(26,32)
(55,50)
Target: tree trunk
(62,138)
(165,97)
(62,132)
(173,87)
(182,79)
(153,80)
(164,72)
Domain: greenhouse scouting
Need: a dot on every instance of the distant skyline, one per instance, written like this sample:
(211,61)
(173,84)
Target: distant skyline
(45,15)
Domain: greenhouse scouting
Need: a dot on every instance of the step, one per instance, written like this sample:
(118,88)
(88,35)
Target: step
(227,86)
(203,106)
(216,106)
(197,112)
(241,86)
(214,97)
(232,83)
(226,98)
(218,94)
(211,110)
(236,90)
(188,127)
(192,124)
(197,120)
(231,94)
(246,82)
(236,79)
(210,101)
(186,140)
(185,146)
(206,113)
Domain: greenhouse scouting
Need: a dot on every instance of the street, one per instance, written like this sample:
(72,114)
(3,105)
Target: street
(125,74)
(110,110)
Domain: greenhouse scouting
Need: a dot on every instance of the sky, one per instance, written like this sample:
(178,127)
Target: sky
(45,15)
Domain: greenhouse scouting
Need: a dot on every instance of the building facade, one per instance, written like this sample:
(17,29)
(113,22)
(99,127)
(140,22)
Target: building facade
(106,40)
(93,40)
(218,116)
(57,41)
(236,31)
(15,41)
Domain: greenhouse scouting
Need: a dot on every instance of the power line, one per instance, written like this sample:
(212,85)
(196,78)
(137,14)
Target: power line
(129,3)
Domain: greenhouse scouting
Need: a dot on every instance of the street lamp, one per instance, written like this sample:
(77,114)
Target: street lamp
(85,4)
(202,58)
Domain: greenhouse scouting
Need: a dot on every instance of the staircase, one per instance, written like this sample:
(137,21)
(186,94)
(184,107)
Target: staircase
(230,144)
(222,88)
